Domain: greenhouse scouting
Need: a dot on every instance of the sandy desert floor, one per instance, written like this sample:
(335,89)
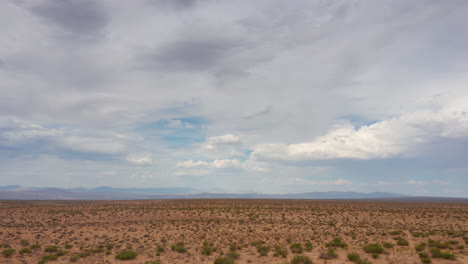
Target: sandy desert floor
(233,231)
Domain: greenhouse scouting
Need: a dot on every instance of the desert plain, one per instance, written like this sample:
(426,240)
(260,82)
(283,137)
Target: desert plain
(234,231)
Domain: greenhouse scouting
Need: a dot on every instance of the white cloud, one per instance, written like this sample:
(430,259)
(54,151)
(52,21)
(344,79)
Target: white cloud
(385,139)
(414,182)
(176,123)
(191,164)
(226,163)
(216,141)
(140,159)
(223,164)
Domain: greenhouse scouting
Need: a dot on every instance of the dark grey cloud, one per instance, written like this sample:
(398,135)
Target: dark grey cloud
(192,54)
(74,16)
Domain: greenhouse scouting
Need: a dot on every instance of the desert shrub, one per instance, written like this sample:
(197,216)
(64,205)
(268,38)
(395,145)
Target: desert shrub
(280,251)
(373,248)
(74,258)
(263,250)
(395,233)
(207,248)
(426,260)
(160,249)
(436,253)
(68,246)
(387,245)
(25,250)
(24,243)
(420,247)
(50,249)
(353,257)
(257,243)
(223,260)
(402,242)
(84,254)
(61,253)
(296,248)
(330,254)
(232,255)
(308,246)
(127,254)
(179,247)
(300,259)
(8,252)
(152,262)
(50,257)
(423,255)
(35,245)
(337,242)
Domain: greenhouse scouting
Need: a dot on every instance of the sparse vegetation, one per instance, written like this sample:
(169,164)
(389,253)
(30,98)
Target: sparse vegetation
(243,230)
(127,254)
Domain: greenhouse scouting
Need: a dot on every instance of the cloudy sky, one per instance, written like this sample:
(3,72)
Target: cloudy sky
(266,96)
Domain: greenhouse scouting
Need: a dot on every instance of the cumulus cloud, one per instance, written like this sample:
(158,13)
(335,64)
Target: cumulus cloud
(384,139)
(14,132)
(223,164)
(139,159)
(176,123)
(224,140)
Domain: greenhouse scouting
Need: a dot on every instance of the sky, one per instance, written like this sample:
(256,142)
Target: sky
(261,96)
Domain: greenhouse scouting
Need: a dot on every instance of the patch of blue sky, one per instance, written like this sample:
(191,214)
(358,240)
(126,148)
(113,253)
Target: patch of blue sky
(176,141)
(358,121)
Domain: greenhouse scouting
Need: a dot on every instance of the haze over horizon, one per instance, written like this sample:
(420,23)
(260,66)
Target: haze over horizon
(247,96)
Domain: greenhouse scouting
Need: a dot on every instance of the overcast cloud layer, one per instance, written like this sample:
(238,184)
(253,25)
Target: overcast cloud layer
(265,96)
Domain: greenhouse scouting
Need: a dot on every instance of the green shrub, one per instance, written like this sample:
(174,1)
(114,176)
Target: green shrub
(354,257)
(84,254)
(8,252)
(223,260)
(387,245)
(402,242)
(280,251)
(24,243)
(426,260)
(160,249)
(50,257)
(296,248)
(423,255)
(74,258)
(25,251)
(420,247)
(127,254)
(263,250)
(337,242)
(373,248)
(61,253)
(257,243)
(330,254)
(35,246)
(207,248)
(232,255)
(300,259)
(436,253)
(179,247)
(308,246)
(50,249)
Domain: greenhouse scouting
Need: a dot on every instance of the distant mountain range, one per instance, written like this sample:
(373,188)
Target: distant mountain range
(16,192)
